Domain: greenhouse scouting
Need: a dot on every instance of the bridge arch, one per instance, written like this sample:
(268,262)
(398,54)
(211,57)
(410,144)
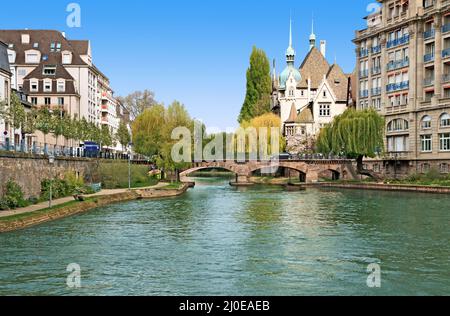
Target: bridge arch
(301,171)
(186,173)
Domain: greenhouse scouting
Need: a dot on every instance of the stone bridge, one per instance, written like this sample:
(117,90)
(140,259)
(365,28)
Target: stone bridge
(309,171)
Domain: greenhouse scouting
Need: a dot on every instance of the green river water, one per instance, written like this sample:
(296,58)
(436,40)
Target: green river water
(219,240)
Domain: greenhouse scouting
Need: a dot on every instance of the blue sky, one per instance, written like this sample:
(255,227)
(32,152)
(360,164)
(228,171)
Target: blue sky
(194,51)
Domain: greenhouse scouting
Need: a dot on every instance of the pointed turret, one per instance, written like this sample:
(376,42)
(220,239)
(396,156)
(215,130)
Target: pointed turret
(312,37)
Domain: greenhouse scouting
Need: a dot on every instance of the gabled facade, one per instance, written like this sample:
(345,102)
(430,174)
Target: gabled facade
(309,97)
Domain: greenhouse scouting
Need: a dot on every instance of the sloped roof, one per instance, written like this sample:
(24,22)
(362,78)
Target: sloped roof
(306,116)
(338,81)
(293,115)
(43,38)
(38,72)
(314,66)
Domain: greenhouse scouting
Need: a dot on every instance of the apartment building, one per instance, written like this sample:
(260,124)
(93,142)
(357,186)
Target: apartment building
(403,60)
(5,90)
(58,73)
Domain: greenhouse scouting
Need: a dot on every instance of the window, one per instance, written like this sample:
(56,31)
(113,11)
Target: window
(324,110)
(47,86)
(376,168)
(34,85)
(49,70)
(61,86)
(398,144)
(60,101)
(445,120)
(444,142)
(67,58)
(426,122)
(34,100)
(47,101)
(324,94)
(443,168)
(398,125)
(32,58)
(426,141)
(291,92)
(425,167)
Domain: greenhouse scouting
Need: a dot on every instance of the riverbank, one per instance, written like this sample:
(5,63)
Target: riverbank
(21,219)
(385,187)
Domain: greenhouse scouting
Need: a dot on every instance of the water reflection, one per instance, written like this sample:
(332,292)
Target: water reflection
(219,240)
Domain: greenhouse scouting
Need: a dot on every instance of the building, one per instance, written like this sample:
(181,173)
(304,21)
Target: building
(5,93)
(403,60)
(59,73)
(309,97)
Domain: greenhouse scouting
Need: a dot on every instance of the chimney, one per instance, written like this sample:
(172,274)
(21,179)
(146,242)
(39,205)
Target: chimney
(25,38)
(323,48)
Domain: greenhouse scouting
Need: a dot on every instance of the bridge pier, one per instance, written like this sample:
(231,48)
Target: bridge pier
(241,181)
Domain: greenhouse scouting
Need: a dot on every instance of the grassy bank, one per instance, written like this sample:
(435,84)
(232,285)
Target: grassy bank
(49,210)
(114,175)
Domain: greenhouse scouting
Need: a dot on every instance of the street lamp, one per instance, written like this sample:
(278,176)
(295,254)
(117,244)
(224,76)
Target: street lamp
(130,153)
(51,161)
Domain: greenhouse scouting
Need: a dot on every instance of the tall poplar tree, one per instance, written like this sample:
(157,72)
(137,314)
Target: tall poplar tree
(259,87)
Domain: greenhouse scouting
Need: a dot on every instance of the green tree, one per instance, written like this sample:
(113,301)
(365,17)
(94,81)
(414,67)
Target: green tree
(58,126)
(106,136)
(355,133)
(44,123)
(123,135)
(259,87)
(148,130)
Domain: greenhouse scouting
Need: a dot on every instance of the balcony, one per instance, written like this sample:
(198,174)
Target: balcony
(445,78)
(428,82)
(429,34)
(428,58)
(397,42)
(446,28)
(397,86)
(446,53)
(376,91)
(364,73)
(104,108)
(376,70)
(397,155)
(396,109)
(364,94)
(363,52)
(376,49)
(397,64)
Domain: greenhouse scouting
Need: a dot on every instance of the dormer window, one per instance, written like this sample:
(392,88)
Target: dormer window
(66,57)
(34,85)
(11,56)
(49,70)
(32,57)
(61,85)
(47,85)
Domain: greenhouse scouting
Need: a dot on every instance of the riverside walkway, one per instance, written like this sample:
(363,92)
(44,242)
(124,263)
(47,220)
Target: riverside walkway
(44,205)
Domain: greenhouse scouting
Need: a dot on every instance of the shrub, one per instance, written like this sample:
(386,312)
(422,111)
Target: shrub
(13,197)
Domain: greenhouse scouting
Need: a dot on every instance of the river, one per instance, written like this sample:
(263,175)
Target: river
(219,240)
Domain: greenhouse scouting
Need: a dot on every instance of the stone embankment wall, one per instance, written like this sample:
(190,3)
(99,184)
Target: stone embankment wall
(29,171)
(389,187)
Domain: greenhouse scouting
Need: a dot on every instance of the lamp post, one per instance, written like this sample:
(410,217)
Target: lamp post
(51,161)
(130,153)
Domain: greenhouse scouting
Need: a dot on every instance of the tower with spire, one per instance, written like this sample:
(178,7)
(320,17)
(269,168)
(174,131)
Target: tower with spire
(312,37)
(307,97)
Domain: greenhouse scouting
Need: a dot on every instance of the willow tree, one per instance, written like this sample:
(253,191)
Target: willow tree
(357,134)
